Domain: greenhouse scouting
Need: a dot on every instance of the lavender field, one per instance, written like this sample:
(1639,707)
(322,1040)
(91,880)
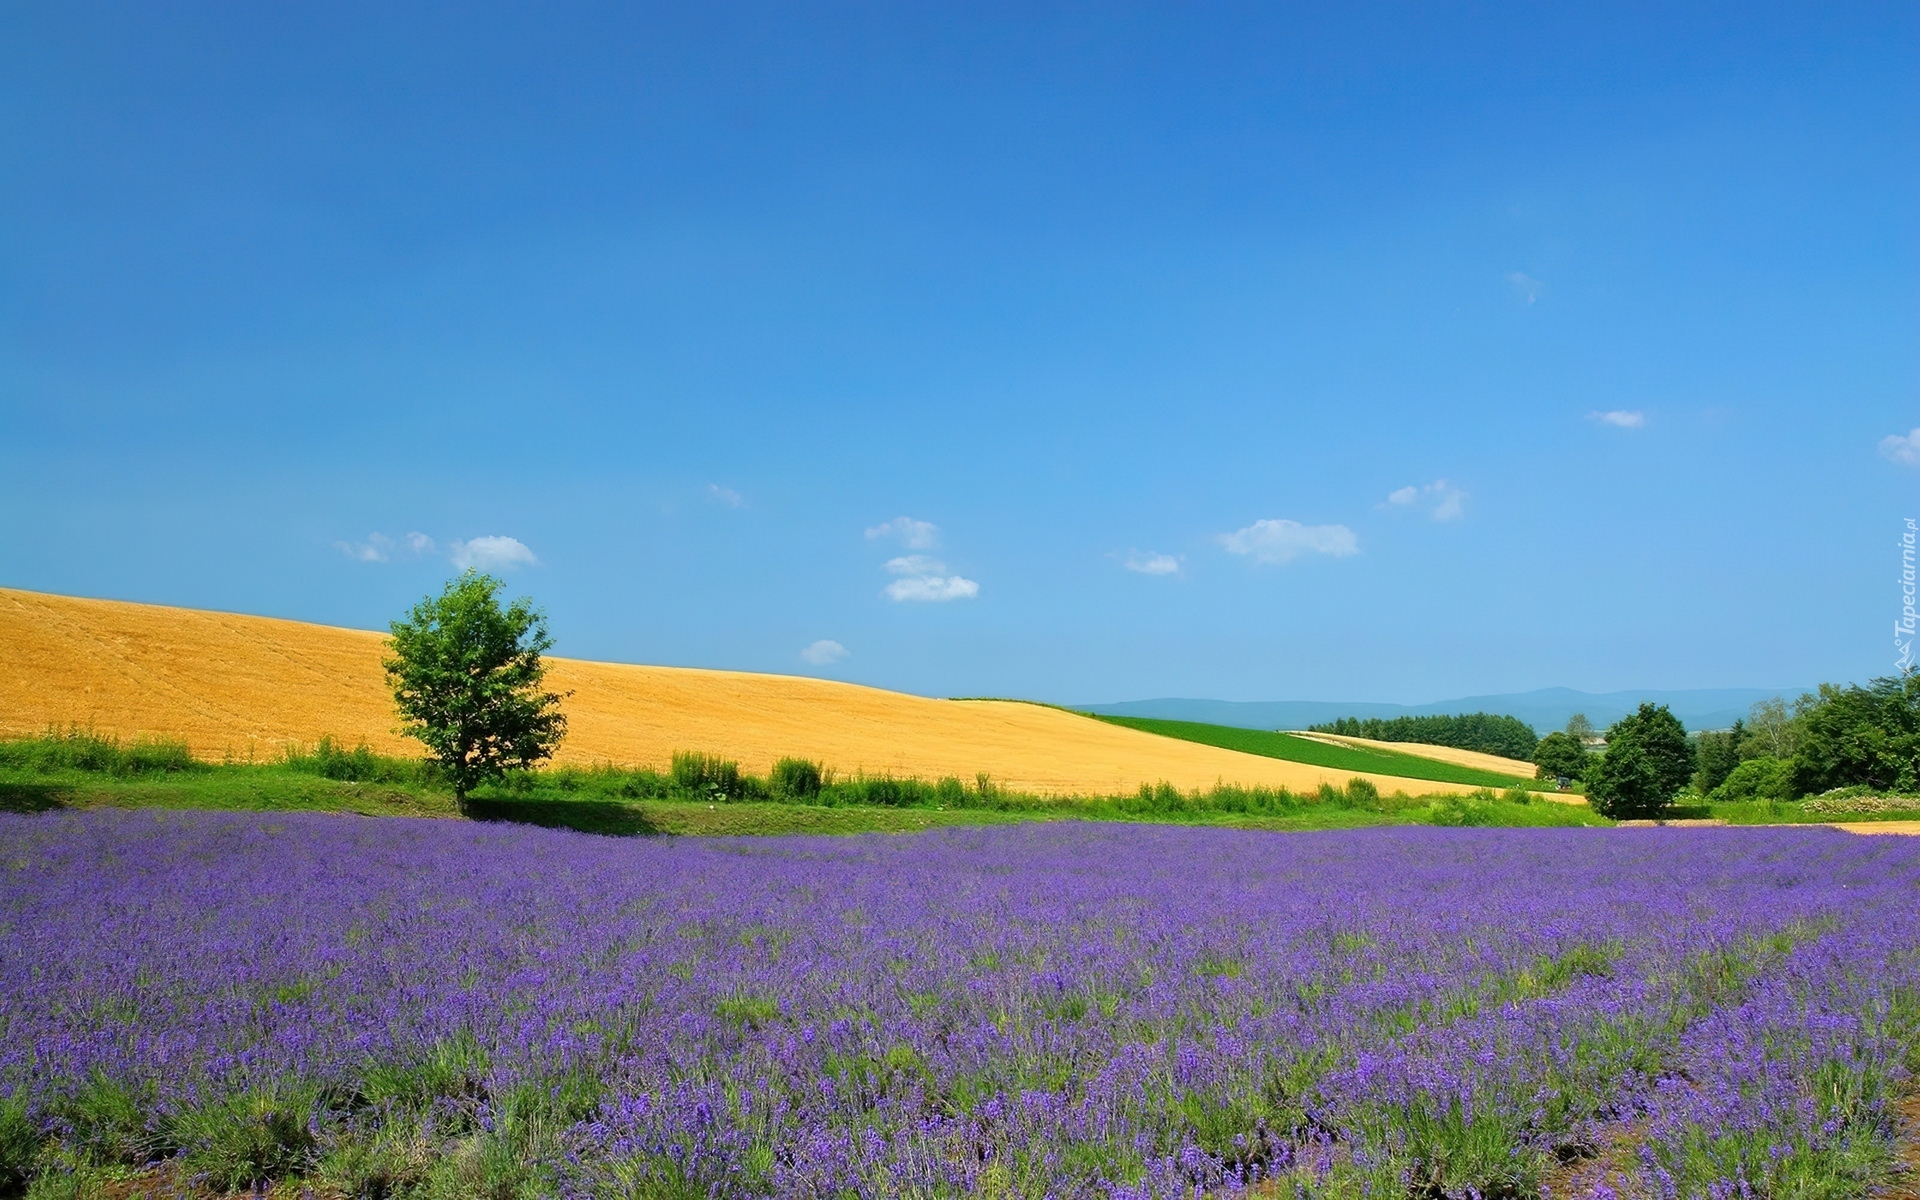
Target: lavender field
(435,1008)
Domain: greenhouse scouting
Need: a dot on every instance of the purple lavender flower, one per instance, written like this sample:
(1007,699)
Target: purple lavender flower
(1070,1009)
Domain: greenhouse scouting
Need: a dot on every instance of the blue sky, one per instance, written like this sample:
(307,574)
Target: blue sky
(1091,353)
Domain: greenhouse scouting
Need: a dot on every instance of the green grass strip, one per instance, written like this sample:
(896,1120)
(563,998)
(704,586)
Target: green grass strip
(271,789)
(1322,754)
(76,770)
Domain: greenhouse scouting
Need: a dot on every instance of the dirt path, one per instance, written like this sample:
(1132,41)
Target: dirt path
(1906,827)
(1906,1121)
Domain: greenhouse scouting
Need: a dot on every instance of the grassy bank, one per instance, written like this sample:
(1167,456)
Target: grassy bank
(1321,754)
(700,794)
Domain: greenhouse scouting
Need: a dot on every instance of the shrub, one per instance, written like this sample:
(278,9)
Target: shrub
(888,792)
(1357,794)
(78,749)
(1646,764)
(1757,779)
(359,765)
(706,775)
(1472,810)
(143,757)
(796,778)
(1157,798)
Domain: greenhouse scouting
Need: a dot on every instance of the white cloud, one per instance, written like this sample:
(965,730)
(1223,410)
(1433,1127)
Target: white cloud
(375,549)
(482,553)
(914,564)
(1149,563)
(933,587)
(1445,502)
(922,577)
(1620,418)
(726,496)
(1279,541)
(824,653)
(1526,285)
(1903,450)
(489,553)
(915,535)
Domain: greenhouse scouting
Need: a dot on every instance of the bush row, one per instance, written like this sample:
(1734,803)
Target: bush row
(76,749)
(696,776)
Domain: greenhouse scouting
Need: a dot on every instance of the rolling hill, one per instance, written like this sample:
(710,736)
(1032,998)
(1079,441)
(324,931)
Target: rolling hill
(248,686)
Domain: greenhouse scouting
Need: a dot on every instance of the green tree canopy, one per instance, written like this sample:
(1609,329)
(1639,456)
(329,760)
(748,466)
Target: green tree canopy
(1716,754)
(1646,764)
(1859,735)
(466,676)
(1560,754)
(1757,779)
(1773,729)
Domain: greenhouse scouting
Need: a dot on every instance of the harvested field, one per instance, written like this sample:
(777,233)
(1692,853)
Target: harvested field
(243,685)
(1447,754)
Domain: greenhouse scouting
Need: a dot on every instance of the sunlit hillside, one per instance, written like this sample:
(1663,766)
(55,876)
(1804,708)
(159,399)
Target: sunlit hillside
(241,686)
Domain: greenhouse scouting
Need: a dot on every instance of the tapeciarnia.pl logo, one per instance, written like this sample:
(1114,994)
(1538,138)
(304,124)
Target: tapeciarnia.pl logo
(1903,628)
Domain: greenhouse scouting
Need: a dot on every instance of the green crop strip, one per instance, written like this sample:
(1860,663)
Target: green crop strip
(1320,754)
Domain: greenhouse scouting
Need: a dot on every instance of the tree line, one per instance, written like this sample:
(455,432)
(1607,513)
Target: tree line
(1844,736)
(468,674)
(1840,737)
(1489,733)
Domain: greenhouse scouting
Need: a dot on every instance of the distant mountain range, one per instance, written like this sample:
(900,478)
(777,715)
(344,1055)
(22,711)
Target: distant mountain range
(1545,710)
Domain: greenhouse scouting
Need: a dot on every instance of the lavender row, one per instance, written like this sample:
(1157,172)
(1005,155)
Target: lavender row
(1055,1010)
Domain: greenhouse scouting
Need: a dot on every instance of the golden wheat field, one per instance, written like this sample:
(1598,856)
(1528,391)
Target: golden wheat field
(241,686)
(1447,754)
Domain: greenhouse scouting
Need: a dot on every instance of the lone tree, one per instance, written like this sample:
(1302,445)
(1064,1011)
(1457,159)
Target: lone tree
(466,676)
(1646,764)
